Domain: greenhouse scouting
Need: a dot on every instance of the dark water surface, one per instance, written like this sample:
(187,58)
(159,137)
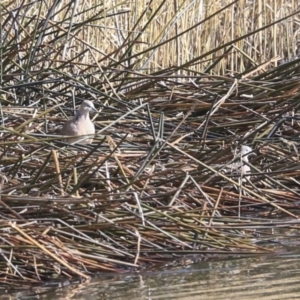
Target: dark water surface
(259,277)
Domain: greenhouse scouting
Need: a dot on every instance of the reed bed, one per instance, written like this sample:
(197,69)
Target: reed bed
(155,184)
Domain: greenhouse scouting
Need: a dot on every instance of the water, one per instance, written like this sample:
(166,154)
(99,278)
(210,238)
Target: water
(259,277)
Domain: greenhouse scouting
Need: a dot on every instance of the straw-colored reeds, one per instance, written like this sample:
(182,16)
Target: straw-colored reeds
(180,86)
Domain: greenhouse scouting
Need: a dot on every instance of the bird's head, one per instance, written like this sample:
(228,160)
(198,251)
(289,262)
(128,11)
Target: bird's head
(246,151)
(87,106)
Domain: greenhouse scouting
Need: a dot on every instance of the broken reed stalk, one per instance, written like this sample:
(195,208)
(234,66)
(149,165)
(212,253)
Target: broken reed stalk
(57,169)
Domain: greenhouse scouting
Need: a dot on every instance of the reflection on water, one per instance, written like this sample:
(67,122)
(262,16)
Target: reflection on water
(265,277)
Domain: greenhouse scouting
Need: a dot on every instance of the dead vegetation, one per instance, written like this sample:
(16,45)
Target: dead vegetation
(177,95)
